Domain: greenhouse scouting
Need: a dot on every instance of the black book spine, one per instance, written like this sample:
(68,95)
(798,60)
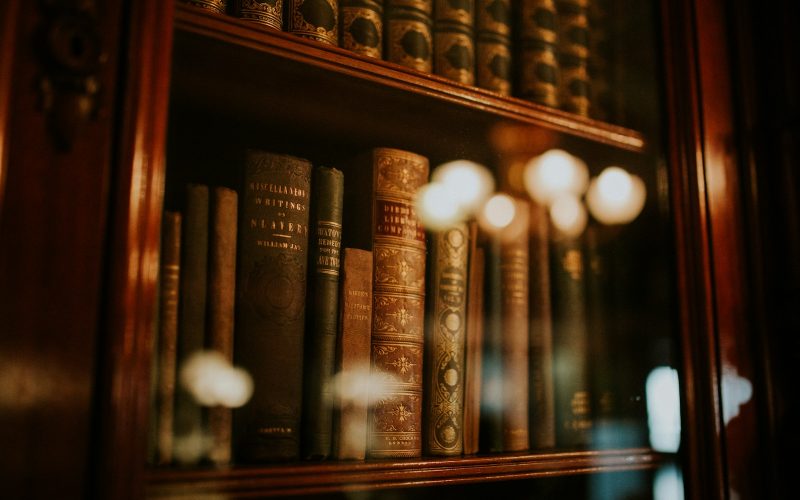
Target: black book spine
(493,57)
(408,36)
(323,311)
(314,19)
(270,310)
(454,40)
(361,29)
(491,421)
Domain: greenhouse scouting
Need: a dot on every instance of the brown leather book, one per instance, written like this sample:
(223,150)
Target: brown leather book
(361,28)
(380,216)
(542,409)
(445,341)
(573,55)
(217,6)
(322,311)
(474,333)
(314,19)
(352,355)
(168,333)
(265,12)
(221,299)
(493,45)
(270,306)
(454,40)
(538,69)
(408,26)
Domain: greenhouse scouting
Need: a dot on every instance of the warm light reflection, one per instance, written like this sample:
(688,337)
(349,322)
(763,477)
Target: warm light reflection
(615,196)
(470,182)
(736,391)
(213,381)
(664,409)
(553,174)
(498,212)
(568,215)
(437,206)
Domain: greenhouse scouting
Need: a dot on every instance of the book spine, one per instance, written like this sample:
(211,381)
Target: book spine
(538,65)
(273,256)
(168,333)
(314,19)
(491,418)
(361,28)
(323,311)
(192,312)
(353,348)
(514,265)
(599,64)
(398,304)
(445,342)
(454,40)
(408,33)
(493,45)
(265,12)
(570,344)
(473,363)
(573,54)
(221,307)
(217,6)
(542,410)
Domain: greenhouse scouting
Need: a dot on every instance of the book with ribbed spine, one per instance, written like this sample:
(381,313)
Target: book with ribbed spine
(221,301)
(361,29)
(314,19)
(353,356)
(445,341)
(322,311)
(408,33)
(493,45)
(599,64)
(538,68)
(217,6)
(570,343)
(168,334)
(573,54)
(474,358)
(380,216)
(270,306)
(265,12)
(454,40)
(189,416)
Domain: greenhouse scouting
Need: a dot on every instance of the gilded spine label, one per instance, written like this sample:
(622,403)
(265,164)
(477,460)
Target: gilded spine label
(266,12)
(329,244)
(362,27)
(445,348)
(314,19)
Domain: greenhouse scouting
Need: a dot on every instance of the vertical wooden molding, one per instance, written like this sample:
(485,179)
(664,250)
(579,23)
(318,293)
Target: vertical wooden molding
(8,33)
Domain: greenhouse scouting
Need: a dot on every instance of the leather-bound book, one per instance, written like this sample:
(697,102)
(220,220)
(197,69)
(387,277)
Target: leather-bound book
(491,403)
(352,356)
(570,343)
(270,306)
(542,409)
(493,45)
(314,19)
(167,334)
(538,70)
(573,54)
(599,63)
(221,301)
(473,363)
(408,36)
(379,215)
(217,6)
(454,40)
(445,341)
(189,418)
(322,311)
(361,28)
(265,12)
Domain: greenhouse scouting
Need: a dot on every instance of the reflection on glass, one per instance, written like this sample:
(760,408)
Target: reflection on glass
(664,409)
(555,173)
(213,381)
(615,196)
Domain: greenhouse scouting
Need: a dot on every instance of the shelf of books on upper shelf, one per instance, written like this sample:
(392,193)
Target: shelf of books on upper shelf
(243,69)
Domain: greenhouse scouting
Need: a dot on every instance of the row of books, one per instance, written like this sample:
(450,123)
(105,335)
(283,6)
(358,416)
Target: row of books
(365,335)
(556,54)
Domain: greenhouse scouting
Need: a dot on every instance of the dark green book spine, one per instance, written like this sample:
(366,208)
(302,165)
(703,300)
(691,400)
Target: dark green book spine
(408,27)
(573,55)
(361,28)
(570,344)
(538,69)
(192,314)
(323,312)
(270,306)
(454,40)
(493,45)
(491,422)
(314,19)
(266,12)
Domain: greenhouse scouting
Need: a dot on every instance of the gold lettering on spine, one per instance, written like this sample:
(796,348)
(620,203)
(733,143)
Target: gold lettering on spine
(329,243)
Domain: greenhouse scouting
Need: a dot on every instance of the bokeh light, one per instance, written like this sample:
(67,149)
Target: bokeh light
(437,206)
(615,196)
(470,182)
(568,215)
(553,174)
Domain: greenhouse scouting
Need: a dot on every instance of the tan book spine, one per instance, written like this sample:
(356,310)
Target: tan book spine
(445,341)
(221,302)
(353,348)
(474,358)
(168,333)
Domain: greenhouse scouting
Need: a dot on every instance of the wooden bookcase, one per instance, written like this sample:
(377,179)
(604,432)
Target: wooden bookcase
(83,209)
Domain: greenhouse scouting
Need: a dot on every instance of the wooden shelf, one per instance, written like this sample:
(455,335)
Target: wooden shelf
(270,74)
(310,478)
